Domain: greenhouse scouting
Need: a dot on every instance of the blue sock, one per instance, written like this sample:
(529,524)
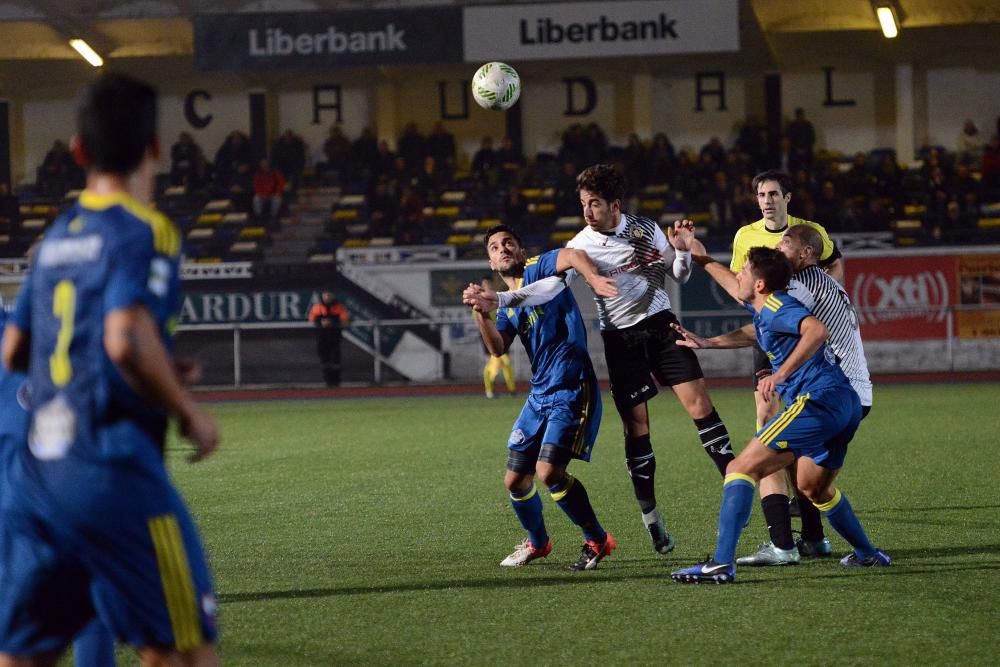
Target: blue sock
(572,498)
(528,509)
(94,646)
(737,502)
(842,519)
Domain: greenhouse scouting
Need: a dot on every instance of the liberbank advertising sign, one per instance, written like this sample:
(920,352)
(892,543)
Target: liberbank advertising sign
(598,29)
(514,32)
(324,39)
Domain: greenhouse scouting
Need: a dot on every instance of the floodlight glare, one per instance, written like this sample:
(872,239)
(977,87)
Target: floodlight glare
(89,54)
(887,19)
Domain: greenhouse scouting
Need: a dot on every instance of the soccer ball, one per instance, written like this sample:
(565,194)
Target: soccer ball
(496,86)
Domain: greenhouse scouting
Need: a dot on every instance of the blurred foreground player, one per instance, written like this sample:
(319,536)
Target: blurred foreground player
(90,524)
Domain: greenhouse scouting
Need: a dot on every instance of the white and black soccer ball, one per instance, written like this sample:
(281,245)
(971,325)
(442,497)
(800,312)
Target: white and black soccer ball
(496,86)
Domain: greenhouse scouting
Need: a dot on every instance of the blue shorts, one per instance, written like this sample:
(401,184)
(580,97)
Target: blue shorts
(566,418)
(818,425)
(80,538)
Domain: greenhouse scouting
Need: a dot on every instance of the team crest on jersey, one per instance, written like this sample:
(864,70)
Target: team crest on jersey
(516,436)
(637,233)
(53,430)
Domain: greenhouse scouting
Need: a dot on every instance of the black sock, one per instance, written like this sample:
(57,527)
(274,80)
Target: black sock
(715,440)
(812,521)
(779,521)
(641,466)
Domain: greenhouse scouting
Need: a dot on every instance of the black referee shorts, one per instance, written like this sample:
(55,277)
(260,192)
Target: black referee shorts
(647,350)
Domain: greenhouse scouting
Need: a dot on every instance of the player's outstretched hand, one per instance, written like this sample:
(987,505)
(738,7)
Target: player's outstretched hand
(199,427)
(681,234)
(481,300)
(603,286)
(688,339)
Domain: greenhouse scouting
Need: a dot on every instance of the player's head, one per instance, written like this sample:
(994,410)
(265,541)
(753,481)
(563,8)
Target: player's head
(802,245)
(773,190)
(503,246)
(766,270)
(602,190)
(116,125)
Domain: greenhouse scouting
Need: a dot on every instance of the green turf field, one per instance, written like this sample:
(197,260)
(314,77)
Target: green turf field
(369,531)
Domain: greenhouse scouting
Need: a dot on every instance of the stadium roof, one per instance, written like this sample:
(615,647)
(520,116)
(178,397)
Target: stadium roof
(796,31)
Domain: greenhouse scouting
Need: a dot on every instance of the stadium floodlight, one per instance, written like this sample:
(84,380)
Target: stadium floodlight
(888,19)
(88,53)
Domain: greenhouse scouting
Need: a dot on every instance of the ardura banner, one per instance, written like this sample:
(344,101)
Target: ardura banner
(979,296)
(597,29)
(326,39)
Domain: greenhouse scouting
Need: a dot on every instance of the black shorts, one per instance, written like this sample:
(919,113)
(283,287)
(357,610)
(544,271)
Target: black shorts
(647,350)
(761,364)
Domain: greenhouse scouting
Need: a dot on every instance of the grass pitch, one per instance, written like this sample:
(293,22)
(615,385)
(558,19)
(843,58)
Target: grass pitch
(368,532)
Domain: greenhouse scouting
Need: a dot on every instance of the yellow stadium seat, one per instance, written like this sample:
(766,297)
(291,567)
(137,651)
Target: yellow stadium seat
(356,243)
(345,214)
(459,239)
(252,232)
(561,237)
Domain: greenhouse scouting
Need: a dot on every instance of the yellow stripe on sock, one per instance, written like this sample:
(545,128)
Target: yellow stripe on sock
(531,494)
(570,481)
(734,476)
(175,577)
(826,507)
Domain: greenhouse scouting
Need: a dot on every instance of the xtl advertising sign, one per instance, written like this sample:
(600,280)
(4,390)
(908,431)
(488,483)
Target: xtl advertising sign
(902,298)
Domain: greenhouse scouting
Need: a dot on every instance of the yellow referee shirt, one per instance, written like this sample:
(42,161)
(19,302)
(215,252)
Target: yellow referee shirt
(756,234)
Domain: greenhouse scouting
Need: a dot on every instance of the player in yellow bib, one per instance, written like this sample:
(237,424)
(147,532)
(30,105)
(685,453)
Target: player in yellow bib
(773,190)
(495,365)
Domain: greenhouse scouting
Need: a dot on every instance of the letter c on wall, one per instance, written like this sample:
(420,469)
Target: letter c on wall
(191,114)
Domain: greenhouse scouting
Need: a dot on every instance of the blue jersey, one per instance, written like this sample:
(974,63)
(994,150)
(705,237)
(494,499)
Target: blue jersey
(777,329)
(553,334)
(13,402)
(106,253)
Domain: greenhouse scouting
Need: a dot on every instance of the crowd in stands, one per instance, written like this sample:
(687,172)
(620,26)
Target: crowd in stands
(942,198)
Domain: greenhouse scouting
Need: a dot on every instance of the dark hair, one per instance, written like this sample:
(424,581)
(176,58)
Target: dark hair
(771,266)
(496,229)
(604,180)
(784,180)
(116,120)
(809,237)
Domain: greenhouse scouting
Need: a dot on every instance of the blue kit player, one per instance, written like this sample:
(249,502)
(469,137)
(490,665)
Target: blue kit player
(821,415)
(91,525)
(94,646)
(560,419)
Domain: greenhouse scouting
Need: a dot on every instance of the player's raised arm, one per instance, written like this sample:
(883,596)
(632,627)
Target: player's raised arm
(579,261)
(132,341)
(536,294)
(676,246)
(813,335)
(496,343)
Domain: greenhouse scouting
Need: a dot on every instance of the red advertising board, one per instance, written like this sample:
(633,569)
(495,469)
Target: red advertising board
(902,298)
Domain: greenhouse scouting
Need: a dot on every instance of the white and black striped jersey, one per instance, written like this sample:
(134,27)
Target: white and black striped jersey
(829,303)
(638,256)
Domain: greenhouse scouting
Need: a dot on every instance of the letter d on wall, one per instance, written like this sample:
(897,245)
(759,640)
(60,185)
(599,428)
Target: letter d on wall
(590,95)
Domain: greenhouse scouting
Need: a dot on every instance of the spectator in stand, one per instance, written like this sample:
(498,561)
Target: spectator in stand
(634,161)
(329,316)
(484,162)
(785,159)
(336,151)
(829,208)
(362,157)
(384,209)
(567,199)
(802,138)
(515,209)
(572,147)
(56,174)
(232,162)
(989,167)
(383,164)
(752,142)
(952,225)
(720,205)
(745,208)
(970,143)
(962,184)
(441,146)
(268,192)
(511,162)
(288,154)
(412,146)
(595,146)
(716,154)
(431,180)
(661,161)
(858,178)
(187,162)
